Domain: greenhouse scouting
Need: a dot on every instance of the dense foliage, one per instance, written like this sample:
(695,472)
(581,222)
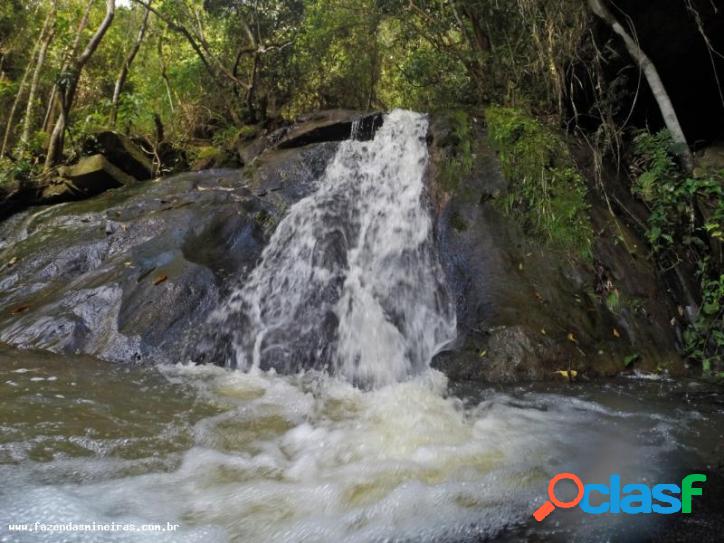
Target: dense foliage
(686,226)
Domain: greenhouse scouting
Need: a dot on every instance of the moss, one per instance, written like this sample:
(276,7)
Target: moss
(547,193)
(206,152)
(458,222)
(458,146)
(248,132)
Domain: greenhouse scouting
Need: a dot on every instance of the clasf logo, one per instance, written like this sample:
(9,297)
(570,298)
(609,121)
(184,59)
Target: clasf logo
(632,499)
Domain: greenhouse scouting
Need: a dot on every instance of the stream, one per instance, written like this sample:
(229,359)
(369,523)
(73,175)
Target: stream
(256,457)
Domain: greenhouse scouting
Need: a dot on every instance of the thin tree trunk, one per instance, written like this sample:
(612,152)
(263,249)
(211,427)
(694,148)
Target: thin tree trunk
(164,74)
(654,80)
(14,109)
(50,109)
(68,54)
(123,74)
(47,40)
(21,88)
(67,94)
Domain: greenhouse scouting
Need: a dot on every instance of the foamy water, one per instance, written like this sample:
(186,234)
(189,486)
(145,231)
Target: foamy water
(259,457)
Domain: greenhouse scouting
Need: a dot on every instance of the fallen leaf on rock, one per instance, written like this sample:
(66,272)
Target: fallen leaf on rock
(160,279)
(19,309)
(568,374)
(616,333)
(13,261)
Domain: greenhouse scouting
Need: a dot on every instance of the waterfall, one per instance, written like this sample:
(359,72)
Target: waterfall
(350,281)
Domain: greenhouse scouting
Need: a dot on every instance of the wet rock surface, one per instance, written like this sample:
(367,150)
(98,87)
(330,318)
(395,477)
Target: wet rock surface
(131,274)
(527,312)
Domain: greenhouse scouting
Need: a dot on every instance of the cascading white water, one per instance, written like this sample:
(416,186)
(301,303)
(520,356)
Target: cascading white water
(350,279)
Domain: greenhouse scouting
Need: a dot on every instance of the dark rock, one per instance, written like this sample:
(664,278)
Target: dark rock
(332,125)
(319,127)
(132,274)
(214,158)
(249,150)
(526,311)
(93,175)
(120,151)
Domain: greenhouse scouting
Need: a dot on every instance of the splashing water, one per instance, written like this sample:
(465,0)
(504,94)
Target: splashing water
(350,280)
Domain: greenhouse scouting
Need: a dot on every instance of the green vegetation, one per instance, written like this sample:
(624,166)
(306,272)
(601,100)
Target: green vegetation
(184,70)
(458,144)
(546,190)
(686,226)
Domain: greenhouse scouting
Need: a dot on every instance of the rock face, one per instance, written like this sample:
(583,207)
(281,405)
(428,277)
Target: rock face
(132,274)
(93,175)
(321,126)
(120,151)
(526,311)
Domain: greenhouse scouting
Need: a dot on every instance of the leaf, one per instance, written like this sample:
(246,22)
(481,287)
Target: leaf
(568,374)
(570,337)
(711,308)
(631,359)
(483,354)
(13,261)
(613,301)
(160,279)
(20,309)
(616,333)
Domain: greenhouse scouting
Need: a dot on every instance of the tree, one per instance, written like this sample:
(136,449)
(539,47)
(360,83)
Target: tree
(126,67)
(46,38)
(68,86)
(652,77)
(40,45)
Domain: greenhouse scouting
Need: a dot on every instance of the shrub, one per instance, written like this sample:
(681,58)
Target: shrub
(679,231)
(547,193)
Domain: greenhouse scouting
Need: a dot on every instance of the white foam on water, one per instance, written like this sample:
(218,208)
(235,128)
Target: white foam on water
(312,458)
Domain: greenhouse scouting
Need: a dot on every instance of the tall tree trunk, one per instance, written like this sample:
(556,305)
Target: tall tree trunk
(47,40)
(67,93)
(24,82)
(164,74)
(14,109)
(68,54)
(123,74)
(654,80)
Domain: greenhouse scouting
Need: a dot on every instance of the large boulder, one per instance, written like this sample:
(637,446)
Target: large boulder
(122,152)
(322,126)
(93,175)
(527,311)
(132,274)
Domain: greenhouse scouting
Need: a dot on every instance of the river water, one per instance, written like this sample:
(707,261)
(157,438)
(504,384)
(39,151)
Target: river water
(359,440)
(234,456)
